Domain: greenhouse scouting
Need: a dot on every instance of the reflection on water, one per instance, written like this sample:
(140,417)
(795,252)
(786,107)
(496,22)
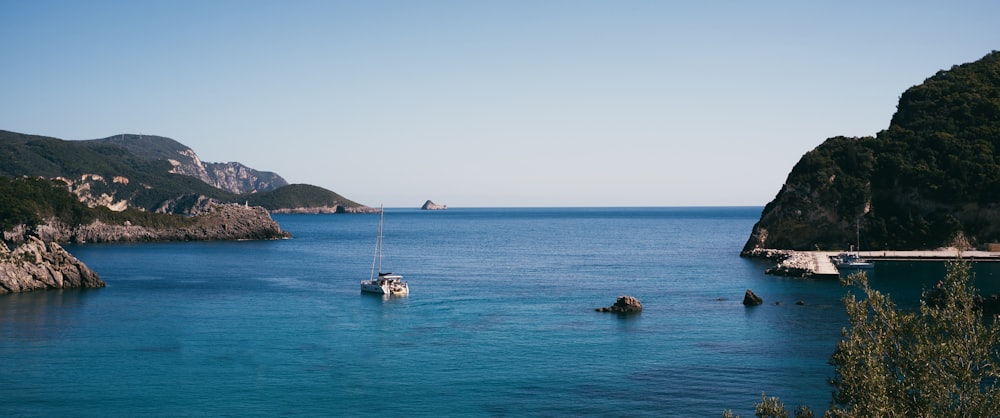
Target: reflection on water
(41,314)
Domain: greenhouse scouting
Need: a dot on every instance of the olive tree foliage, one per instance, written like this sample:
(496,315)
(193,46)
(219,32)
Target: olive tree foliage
(940,361)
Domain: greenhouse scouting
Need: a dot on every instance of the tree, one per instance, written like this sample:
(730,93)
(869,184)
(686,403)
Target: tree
(940,361)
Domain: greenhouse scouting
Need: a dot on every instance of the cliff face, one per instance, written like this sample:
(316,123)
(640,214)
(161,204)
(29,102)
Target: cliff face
(821,201)
(240,179)
(233,177)
(932,177)
(36,265)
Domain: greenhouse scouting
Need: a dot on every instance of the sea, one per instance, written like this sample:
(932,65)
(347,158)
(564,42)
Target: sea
(500,320)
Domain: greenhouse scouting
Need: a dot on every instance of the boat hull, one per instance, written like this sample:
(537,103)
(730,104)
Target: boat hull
(385,287)
(847,261)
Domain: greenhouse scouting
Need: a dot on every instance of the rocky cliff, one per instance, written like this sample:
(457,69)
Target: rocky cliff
(36,265)
(233,177)
(931,178)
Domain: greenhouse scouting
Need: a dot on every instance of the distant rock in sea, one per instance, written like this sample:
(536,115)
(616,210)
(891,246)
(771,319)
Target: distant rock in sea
(428,205)
(624,304)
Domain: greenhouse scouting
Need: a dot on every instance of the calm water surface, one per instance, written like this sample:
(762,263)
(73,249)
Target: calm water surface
(500,321)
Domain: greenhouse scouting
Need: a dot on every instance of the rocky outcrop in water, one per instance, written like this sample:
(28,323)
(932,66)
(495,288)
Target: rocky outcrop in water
(36,265)
(751,299)
(214,222)
(624,304)
(429,205)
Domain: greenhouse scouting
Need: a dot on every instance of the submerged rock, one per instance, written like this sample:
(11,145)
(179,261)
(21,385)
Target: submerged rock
(751,299)
(624,304)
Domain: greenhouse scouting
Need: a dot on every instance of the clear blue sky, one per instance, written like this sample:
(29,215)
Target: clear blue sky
(485,103)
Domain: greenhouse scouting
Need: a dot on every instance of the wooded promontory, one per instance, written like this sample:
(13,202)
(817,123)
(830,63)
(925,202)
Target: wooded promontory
(931,178)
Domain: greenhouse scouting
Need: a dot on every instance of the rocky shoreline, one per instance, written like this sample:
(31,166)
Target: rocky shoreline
(36,265)
(217,222)
(788,263)
(39,262)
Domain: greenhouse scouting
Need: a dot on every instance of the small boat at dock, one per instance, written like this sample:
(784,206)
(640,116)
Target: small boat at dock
(851,261)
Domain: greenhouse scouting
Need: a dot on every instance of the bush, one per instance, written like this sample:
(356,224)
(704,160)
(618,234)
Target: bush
(938,362)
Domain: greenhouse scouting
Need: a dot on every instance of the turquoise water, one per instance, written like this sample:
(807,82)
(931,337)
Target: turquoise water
(500,321)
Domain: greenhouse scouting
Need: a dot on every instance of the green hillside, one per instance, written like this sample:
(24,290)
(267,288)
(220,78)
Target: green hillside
(149,186)
(30,201)
(135,169)
(298,196)
(933,174)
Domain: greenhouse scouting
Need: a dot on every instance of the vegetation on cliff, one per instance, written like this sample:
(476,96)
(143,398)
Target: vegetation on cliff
(932,174)
(300,196)
(34,207)
(29,202)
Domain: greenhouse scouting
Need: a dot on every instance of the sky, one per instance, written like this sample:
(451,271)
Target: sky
(485,103)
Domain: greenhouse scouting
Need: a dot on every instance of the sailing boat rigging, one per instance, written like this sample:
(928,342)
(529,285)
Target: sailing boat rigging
(384,283)
(852,260)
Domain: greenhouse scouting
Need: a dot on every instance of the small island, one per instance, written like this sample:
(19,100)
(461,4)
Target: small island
(429,205)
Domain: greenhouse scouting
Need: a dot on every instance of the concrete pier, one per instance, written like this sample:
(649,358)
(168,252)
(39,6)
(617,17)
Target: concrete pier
(818,264)
(824,266)
(936,255)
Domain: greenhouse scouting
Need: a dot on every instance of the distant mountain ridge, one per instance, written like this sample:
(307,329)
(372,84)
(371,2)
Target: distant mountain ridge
(930,180)
(155,174)
(233,177)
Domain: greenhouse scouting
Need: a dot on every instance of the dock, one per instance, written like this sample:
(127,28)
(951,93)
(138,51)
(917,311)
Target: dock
(824,267)
(936,255)
(818,264)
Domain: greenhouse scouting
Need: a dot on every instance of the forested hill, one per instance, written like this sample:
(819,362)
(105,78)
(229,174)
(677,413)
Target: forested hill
(932,176)
(154,174)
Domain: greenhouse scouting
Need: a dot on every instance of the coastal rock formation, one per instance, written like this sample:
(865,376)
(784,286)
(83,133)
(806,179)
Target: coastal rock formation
(932,175)
(624,304)
(37,265)
(428,205)
(214,222)
(793,264)
(751,299)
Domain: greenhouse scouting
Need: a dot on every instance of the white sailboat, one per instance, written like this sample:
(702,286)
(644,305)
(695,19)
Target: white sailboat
(385,283)
(852,260)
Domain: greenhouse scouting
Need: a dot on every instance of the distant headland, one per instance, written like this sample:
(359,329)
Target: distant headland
(130,188)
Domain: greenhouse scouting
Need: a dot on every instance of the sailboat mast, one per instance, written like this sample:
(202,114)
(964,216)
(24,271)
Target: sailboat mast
(377,257)
(381,218)
(858,236)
